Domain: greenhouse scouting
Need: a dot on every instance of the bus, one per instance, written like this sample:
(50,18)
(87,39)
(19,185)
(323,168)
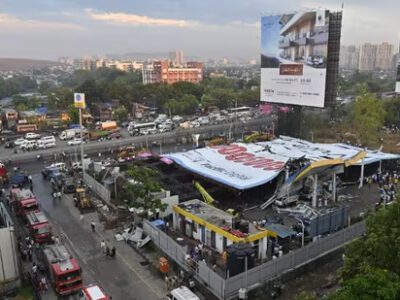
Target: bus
(142,128)
(243,111)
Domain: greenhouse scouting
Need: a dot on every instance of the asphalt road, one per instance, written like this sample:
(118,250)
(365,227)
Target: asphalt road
(169,138)
(121,277)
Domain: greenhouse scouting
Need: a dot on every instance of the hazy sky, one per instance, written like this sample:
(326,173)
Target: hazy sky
(206,28)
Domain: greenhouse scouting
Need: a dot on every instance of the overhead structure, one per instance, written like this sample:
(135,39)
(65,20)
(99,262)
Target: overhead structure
(244,166)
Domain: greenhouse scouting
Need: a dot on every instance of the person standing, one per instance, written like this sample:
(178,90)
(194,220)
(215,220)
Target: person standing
(103,246)
(93,225)
(81,218)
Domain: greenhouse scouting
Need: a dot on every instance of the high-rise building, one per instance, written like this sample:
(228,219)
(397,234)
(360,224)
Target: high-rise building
(349,57)
(177,58)
(367,58)
(384,56)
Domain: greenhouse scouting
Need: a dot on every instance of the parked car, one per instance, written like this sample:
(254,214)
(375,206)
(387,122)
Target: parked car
(32,136)
(29,145)
(60,166)
(69,186)
(19,142)
(74,142)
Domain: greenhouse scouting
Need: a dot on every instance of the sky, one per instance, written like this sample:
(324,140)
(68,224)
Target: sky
(48,29)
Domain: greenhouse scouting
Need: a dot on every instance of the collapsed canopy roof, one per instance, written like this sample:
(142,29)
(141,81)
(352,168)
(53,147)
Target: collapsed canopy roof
(244,166)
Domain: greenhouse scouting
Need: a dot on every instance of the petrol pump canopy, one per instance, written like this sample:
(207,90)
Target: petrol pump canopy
(244,166)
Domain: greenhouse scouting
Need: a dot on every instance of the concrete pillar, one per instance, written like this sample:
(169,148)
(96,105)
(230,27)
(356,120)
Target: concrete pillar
(362,175)
(334,187)
(314,195)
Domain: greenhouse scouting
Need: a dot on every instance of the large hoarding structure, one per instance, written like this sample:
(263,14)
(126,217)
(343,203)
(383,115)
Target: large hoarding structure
(398,79)
(299,59)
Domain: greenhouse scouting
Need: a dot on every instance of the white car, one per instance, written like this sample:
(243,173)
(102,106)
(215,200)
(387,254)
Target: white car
(74,142)
(32,136)
(19,142)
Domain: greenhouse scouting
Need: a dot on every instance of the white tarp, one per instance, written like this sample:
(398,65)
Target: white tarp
(241,166)
(244,166)
(296,148)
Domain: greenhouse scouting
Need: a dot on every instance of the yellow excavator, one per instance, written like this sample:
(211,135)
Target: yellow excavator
(82,201)
(207,198)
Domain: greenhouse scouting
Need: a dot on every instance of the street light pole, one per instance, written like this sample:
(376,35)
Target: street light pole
(81,131)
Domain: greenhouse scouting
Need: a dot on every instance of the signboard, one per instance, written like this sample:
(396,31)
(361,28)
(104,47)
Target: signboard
(398,79)
(294,55)
(241,166)
(79,100)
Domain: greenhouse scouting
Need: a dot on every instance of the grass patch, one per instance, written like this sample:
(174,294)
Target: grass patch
(25,293)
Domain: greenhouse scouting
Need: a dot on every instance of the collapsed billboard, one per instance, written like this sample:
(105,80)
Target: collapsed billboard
(398,79)
(294,56)
(241,166)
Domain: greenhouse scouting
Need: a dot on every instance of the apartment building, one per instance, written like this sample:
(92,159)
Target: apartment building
(349,57)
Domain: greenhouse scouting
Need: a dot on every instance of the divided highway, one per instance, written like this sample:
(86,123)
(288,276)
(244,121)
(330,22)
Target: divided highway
(144,140)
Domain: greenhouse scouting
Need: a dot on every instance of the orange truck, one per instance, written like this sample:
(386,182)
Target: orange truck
(39,227)
(64,270)
(108,125)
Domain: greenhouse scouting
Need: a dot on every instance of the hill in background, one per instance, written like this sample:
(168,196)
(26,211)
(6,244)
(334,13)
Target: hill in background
(21,64)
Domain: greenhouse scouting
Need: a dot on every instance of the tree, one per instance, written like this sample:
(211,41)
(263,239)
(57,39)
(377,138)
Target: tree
(120,113)
(392,108)
(368,115)
(376,284)
(189,104)
(372,265)
(306,296)
(73,114)
(142,189)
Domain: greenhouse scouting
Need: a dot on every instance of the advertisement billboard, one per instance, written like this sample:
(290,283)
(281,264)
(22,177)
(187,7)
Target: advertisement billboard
(398,79)
(79,100)
(294,56)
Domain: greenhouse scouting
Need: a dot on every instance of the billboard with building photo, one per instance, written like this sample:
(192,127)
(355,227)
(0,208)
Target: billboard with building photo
(398,79)
(294,58)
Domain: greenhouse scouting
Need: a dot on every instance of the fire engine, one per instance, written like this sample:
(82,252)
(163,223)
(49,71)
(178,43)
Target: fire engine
(64,270)
(93,292)
(39,227)
(24,201)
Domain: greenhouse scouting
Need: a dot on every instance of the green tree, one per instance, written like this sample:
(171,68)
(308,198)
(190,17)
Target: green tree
(368,115)
(306,296)
(142,188)
(392,108)
(120,113)
(189,104)
(73,114)
(375,284)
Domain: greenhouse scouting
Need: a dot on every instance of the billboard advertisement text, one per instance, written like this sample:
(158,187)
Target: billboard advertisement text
(398,79)
(294,55)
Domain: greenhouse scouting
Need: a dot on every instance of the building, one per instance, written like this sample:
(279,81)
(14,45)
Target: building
(367,58)
(9,118)
(163,71)
(177,58)
(349,57)
(86,63)
(104,111)
(384,56)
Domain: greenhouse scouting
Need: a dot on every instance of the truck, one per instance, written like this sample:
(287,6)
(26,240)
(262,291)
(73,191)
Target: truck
(108,125)
(39,227)
(64,270)
(68,134)
(93,292)
(24,202)
(105,134)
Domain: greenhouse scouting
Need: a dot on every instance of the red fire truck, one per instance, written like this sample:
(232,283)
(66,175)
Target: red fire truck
(64,270)
(24,201)
(39,227)
(93,292)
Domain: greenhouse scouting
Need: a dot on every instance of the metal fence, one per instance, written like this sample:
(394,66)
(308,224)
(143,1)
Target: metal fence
(210,279)
(229,288)
(292,260)
(97,187)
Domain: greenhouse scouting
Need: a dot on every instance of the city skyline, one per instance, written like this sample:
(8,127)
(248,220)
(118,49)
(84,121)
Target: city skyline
(51,29)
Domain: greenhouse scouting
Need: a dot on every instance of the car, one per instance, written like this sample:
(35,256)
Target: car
(77,165)
(29,145)
(69,186)
(19,142)
(9,145)
(32,136)
(74,142)
(46,172)
(60,166)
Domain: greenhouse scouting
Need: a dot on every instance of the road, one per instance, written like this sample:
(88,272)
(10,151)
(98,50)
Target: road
(168,138)
(122,277)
